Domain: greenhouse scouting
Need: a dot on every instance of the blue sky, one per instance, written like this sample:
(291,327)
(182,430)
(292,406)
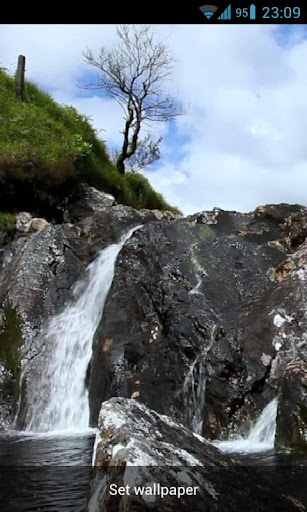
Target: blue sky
(244,140)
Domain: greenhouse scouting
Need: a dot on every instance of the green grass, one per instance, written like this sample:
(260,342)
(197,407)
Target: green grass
(47,150)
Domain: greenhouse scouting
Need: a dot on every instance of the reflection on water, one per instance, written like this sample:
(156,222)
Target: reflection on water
(46,474)
(52,474)
(287,472)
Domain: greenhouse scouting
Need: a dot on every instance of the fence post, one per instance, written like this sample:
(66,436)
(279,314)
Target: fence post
(20,77)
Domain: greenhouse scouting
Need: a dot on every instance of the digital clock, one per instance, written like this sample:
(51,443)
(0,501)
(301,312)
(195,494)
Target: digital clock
(275,13)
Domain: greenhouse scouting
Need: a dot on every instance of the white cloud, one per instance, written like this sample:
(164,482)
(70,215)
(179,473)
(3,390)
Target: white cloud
(105,114)
(53,52)
(245,133)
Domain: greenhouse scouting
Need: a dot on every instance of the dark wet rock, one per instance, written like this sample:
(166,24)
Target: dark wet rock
(292,411)
(91,201)
(270,337)
(10,346)
(203,316)
(106,226)
(136,447)
(38,270)
(286,306)
(37,274)
(36,280)
(277,213)
(296,227)
(191,302)
(289,306)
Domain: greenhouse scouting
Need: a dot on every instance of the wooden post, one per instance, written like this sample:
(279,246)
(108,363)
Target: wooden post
(20,77)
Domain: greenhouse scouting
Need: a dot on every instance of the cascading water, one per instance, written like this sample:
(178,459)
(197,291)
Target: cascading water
(61,402)
(200,274)
(194,392)
(194,388)
(260,438)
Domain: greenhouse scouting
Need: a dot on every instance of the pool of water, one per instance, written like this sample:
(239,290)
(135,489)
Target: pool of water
(46,474)
(52,473)
(285,472)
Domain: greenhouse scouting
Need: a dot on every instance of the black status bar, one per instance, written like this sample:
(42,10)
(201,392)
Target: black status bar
(252,12)
(200,12)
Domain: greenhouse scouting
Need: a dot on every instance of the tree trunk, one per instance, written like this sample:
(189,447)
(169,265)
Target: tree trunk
(127,151)
(120,164)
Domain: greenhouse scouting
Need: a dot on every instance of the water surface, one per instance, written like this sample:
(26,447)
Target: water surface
(46,474)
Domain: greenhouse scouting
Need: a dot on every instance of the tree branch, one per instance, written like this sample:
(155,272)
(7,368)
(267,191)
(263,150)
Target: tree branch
(133,72)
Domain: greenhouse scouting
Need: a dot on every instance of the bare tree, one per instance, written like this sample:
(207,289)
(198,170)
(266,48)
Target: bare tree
(147,152)
(133,72)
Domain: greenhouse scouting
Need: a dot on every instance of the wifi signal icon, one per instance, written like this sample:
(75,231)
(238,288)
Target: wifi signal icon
(208,10)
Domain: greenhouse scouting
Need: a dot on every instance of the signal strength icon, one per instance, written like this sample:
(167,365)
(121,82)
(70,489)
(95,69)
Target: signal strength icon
(226,15)
(208,10)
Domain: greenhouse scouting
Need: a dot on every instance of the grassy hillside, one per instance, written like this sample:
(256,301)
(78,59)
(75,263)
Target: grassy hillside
(47,150)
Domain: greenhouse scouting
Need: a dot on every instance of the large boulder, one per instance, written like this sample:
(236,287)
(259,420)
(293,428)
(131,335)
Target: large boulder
(188,326)
(91,201)
(288,306)
(178,470)
(296,227)
(23,222)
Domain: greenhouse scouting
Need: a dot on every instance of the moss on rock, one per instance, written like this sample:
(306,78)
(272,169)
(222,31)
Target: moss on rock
(7,227)
(206,231)
(298,440)
(10,343)
(295,436)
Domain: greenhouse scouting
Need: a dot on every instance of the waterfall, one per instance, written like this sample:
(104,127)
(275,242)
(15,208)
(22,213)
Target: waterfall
(200,274)
(61,398)
(261,436)
(194,388)
(194,393)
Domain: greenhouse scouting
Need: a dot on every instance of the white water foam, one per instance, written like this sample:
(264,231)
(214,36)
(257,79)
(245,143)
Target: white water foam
(261,437)
(61,403)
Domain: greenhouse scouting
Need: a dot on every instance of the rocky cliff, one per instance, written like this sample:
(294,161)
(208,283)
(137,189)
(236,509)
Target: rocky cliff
(204,322)
(205,317)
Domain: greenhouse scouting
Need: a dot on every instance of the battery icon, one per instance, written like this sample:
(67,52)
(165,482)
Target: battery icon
(252,12)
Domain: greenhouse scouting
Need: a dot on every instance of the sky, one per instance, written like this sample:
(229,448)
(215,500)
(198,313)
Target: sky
(243,141)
